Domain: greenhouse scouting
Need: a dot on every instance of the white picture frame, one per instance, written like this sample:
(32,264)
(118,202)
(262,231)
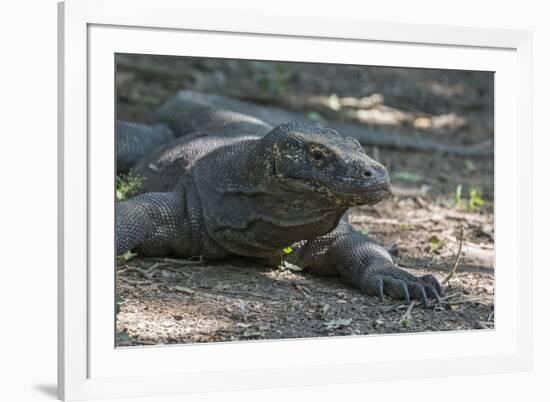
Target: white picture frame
(91,32)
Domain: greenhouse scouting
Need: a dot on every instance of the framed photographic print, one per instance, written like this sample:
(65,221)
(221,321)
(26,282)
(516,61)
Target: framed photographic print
(251,204)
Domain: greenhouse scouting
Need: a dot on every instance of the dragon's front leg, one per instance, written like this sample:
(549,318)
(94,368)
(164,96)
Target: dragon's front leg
(365,265)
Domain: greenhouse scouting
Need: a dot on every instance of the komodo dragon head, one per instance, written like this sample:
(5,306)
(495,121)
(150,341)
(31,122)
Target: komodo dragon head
(311,159)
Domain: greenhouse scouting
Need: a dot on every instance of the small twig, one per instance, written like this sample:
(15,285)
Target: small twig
(185,262)
(457,258)
(467,300)
(148,273)
(183,289)
(407,314)
(421,202)
(178,271)
(435,217)
(165,264)
(482,325)
(302,288)
(451,296)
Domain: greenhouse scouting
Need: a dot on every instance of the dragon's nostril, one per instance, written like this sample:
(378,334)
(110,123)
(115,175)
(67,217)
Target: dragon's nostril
(367,173)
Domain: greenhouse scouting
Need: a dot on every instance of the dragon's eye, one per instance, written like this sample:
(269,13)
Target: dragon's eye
(317,155)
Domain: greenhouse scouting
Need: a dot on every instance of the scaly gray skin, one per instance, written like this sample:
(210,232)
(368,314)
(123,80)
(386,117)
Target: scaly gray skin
(189,112)
(162,167)
(253,196)
(134,141)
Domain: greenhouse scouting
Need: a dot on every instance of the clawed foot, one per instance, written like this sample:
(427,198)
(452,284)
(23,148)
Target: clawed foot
(399,284)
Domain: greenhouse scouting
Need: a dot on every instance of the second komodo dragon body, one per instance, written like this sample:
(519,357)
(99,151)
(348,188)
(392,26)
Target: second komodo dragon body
(252,195)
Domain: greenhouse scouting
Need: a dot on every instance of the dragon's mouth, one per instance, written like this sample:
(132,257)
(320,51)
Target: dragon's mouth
(346,187)
(353,190)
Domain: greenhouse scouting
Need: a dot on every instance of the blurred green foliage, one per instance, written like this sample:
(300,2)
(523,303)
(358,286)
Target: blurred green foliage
(434,243)
(272,78)
(127,186)
(473,201)
(407,176)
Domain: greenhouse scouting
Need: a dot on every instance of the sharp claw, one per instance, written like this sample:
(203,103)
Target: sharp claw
(431,280)
(405,290)
(437,299)
(402,285)
(380,289)
(432,293)
(422,294)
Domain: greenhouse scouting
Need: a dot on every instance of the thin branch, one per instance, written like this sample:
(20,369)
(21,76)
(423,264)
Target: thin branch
(452,296)
(457,258)
(148,273)
(178,271)
(407,314)
(188,261)
(473,299)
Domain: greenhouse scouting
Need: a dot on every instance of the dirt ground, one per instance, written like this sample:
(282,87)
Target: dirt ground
(441,203)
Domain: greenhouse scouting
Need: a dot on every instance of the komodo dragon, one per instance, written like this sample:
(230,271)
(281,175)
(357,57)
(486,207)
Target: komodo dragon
(190,111)
(253,195)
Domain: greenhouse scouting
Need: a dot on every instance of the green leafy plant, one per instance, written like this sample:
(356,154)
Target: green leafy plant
(404,226)
(285,265)
(123,258)
(475,199)
(287,250)
(127,186)
(434,243)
